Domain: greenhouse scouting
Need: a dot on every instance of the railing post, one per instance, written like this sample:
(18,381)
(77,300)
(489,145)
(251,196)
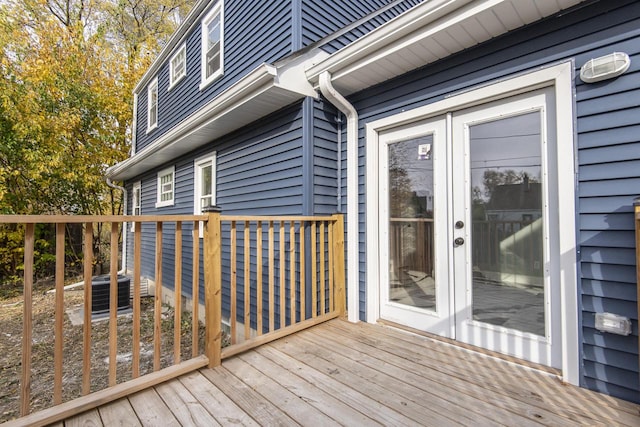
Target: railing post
(339,273)
(213,286)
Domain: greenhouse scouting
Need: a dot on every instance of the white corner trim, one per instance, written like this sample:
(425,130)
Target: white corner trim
(559,76)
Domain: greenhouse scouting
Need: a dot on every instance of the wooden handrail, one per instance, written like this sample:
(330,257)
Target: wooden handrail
(303,259)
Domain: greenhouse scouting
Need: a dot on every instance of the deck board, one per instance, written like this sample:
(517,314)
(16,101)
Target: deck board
(340,373)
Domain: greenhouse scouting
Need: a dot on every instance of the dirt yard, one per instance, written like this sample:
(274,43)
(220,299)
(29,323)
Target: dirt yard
(42,369)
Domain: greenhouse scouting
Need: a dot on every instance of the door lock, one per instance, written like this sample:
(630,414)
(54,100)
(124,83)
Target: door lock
(459,241)
(459,225)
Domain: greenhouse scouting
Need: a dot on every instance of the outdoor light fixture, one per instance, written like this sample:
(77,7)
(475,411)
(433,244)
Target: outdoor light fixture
(605,67)
(607,322)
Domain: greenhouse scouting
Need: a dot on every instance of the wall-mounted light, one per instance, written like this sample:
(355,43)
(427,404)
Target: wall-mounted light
(613,323)
(605,67)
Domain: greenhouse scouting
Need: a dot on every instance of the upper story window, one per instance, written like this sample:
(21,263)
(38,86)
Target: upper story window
(178,66)
(166,180)
(136,196)
(212,45)
(152,105)
(205,184)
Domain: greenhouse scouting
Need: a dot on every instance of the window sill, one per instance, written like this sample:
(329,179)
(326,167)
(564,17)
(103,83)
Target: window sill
(152,128)
(206,83)
(164,204)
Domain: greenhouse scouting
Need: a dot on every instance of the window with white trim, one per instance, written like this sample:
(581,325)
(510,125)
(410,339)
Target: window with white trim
(166,180)
(152,105)
(136,196)
(212,45)
(178,66)
(205,184)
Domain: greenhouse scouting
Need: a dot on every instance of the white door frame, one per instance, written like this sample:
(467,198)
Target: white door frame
(560,77)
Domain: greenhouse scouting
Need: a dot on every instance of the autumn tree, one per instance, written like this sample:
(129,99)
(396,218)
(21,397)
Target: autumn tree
(67,70)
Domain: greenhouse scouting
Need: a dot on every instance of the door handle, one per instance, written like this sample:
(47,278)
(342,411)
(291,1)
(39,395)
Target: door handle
(459,225)
(459,241)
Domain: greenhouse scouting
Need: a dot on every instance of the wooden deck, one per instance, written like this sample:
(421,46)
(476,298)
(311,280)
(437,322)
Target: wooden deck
(339,373)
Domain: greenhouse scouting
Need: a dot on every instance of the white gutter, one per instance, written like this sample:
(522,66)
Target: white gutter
(353,256)
(123,270)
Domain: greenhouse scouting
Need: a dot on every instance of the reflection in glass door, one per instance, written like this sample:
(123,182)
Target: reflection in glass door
(414,267)
(508,223)
(411,260)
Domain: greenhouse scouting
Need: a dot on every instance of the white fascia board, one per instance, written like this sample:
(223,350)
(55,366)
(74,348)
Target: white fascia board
(384,36)
(239,93)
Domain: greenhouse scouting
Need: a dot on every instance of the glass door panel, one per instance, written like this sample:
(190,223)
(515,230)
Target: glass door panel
(507,223)
(411,260)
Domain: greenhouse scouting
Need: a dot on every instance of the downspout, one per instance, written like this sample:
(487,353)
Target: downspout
(123,270)
(353,257)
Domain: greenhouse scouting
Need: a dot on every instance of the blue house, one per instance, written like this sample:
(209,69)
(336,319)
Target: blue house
(409,117)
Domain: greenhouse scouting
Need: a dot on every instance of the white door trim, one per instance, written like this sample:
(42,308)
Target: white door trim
(560,77)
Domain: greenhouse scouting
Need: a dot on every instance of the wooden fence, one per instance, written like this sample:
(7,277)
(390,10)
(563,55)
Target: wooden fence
(289,276)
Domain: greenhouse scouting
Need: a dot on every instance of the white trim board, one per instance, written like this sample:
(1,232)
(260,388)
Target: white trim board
(560,78)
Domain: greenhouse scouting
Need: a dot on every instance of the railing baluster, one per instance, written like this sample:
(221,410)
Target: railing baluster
(292,271)
(157,318)
(27,312)
(259,278)
(331,258)
(322,283)
(113,306)
(195,291)
(303,273)
(271,278)
(314,271)
(234,269)
(247,280)
(283,308)
(86,341)
(137,272)
(177,313)
(59,322)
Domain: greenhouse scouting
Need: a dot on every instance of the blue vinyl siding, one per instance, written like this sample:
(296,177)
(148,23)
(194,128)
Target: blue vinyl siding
(325,159)
(259,172)
(608,142)
(323,17)
(374,21)
(254,33)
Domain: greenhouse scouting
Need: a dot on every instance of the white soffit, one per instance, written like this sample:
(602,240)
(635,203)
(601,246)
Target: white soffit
(426,33)
(257,95)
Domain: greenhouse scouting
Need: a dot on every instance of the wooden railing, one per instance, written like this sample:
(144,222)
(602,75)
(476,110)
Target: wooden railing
(284,274)
(265,277)
(114,231)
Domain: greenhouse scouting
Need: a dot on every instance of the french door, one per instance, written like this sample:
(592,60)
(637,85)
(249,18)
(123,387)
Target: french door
(468,227)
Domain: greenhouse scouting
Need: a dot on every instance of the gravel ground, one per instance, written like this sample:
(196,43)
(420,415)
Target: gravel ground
(42,368)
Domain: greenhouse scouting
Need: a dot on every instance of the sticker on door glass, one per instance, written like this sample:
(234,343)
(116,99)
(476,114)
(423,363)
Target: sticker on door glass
(424,151)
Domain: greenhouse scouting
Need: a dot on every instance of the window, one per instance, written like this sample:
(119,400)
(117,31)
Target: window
(165,187)
(205,184)
(152,105)
(212,45)
(178,66)
(136,195)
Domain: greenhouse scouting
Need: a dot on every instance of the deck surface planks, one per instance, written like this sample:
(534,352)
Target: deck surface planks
(340,373)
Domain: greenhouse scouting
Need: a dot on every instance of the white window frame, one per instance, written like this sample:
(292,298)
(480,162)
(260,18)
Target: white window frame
(136,202)
(217,11)
(153,87)
(174,79)
(198,165)
(169,202)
